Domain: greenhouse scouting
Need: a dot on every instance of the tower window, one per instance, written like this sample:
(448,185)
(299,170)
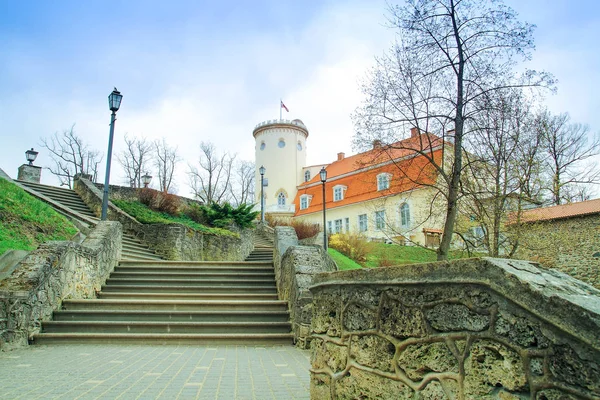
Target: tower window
(262,146)
(299,146)
(281,143)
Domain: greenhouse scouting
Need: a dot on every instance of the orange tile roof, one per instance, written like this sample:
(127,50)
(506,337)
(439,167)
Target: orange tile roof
(561,211)
(359,174)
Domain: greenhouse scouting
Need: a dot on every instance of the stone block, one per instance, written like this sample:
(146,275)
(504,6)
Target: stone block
(456,317)
(419,359)
(358,384)
(400,321)
(373,351)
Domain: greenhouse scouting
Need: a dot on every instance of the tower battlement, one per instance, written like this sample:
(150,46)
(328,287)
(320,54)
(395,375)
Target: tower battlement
(283,123)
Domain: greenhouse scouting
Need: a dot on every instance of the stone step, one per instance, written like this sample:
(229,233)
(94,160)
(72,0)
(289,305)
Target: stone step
(187,296)
(265,339)
(197,282)
(170,327)
(175,305)
(189,316)
(138,251)
(126,267)
(192,275)
(47,187)
(233,265)
(190,289)
(137,257)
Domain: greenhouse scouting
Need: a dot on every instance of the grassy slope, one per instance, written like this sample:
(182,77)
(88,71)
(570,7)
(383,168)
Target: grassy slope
(342,261)
(25,221)
(147,216)
(389,254)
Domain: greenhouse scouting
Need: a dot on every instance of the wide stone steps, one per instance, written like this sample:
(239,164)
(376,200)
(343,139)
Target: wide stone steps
(197,316)
(174,302)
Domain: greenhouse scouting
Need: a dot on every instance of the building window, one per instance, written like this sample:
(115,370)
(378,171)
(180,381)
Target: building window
(306,176)
(362,223)
(347,224)
(304,201)
(338,226)
(281,143)
(379,220)
(281,199)
(338,192)
(299,146)
(329,227)
(405,215)
(262,146)
(383,181)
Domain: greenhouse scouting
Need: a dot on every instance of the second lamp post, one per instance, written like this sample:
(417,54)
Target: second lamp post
(114,102)
(323,175)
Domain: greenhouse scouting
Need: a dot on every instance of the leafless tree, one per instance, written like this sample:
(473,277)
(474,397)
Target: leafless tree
(568,148)
(71,156)
(135,159)
(242,187)
(211,181)
(165,160)
(449,54)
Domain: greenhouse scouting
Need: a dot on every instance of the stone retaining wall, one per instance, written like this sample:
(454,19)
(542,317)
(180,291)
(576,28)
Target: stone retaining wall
(52,273)
(468,329)
(129,193)
(570,245)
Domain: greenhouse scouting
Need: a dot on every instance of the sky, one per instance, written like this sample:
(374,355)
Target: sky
(193,71)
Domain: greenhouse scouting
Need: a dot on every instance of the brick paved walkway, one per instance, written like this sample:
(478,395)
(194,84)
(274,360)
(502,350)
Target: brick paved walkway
(154,372)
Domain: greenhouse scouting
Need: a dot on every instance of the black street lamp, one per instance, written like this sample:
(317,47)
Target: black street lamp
(114,102)
(262,197)
(31,155)
(323,174)
(146,178)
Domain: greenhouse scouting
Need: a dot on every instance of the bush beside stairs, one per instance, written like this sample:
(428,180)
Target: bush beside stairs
(150,300)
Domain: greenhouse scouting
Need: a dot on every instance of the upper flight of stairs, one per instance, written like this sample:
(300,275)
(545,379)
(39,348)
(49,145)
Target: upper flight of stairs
(132,248)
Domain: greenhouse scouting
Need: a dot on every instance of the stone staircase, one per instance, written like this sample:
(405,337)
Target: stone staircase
(132,248)
(176,302)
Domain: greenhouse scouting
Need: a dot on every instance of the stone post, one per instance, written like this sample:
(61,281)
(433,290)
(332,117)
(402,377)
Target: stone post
(29,173)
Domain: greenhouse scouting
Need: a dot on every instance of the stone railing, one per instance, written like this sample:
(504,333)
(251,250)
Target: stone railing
(468,329)
(52,273)
(295,267)
(172,241)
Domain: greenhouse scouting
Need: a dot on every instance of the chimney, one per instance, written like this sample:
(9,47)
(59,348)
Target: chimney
(414,132)
(376,144)
(450,135)
(340,156)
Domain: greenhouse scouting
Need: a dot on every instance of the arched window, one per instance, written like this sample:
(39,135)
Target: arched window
(405,215)
(281,199)
(306,176)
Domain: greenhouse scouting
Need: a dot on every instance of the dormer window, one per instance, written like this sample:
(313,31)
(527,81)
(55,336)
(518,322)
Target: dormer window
(383,181)
(338,192)
(307,175)
(305,201)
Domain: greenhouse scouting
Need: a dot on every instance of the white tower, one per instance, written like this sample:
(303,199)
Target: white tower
(280,146)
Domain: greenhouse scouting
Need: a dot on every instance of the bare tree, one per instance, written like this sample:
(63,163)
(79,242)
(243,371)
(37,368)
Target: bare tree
(211,181)
(450,53)
(165,160)
(242,187)
(567,149)
(71,156)
(135,160)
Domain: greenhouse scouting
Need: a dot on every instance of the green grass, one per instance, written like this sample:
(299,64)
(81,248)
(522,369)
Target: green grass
(147,216)
(25,221)
(391,254)
(343,262)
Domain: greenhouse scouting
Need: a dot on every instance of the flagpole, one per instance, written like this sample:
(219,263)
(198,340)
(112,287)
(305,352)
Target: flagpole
(280,102)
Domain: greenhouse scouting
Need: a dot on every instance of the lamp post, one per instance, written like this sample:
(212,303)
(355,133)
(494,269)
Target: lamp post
(114,102)
(31,155)
(323,174)
(262,197)
(146,178)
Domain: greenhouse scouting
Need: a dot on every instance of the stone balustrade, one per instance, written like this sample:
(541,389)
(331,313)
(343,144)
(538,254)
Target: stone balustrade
(468,329)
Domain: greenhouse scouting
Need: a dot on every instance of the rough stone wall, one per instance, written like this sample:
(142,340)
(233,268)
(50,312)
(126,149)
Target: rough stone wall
(178,242)
(52,273)
(469,329)
(129,193)
(299,264)
(283,237)
(570,245)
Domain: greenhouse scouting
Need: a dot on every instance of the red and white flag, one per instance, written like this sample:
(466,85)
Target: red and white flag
(283,106)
